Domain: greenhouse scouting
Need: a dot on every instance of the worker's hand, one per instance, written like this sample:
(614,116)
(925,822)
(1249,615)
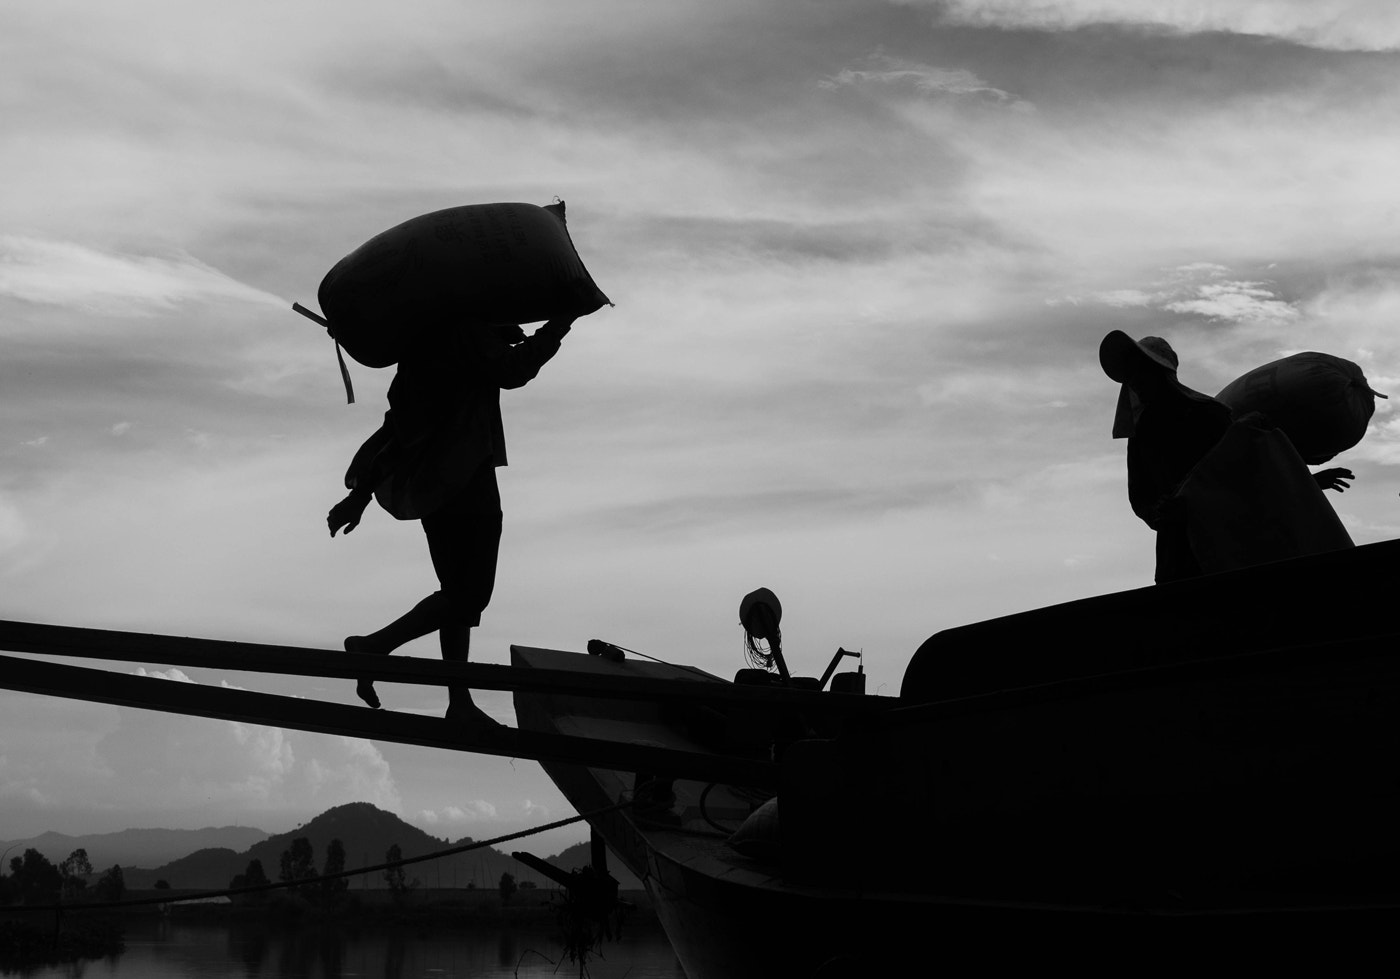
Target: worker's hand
(558,327)
(1332,479)
(347,513)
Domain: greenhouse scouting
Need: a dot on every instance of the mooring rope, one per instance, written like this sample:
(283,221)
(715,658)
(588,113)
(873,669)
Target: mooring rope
(306,881)
(676,666)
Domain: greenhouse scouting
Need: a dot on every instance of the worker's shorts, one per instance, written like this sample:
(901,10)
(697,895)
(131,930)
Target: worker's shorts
(464,538)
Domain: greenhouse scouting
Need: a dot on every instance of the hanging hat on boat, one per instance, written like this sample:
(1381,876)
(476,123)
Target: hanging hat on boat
(760,612)
(1127,361)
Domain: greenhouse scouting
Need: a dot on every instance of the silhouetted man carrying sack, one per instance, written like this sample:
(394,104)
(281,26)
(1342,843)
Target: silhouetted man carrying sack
(1220,492)
(434,460)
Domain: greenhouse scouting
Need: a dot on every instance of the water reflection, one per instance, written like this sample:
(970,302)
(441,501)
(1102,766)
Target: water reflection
(395,955)
(506,953)
(251,951)
(174,949)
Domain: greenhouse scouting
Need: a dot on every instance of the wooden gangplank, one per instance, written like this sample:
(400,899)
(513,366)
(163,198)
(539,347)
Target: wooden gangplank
(220,654)
(200,700)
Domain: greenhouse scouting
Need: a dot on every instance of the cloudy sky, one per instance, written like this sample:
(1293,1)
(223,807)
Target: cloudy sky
(862,254)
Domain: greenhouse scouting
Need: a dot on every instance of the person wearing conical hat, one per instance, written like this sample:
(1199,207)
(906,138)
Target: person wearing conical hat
(1169,428)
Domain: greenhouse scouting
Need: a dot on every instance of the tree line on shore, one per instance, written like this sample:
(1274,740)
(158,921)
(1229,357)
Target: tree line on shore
(298,863)
(34,879)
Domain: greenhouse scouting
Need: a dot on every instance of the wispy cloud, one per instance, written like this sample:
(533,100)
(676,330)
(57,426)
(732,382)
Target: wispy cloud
(1235,302)
(475,811)
(1346,25)
(1203,289)
(154,759)
(1008,389)
(174,673)
(66,273)
(885,70)
(1121,298)
(1381,445)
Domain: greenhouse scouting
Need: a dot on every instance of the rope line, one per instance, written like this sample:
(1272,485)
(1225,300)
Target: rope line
(304,881)
(677,666)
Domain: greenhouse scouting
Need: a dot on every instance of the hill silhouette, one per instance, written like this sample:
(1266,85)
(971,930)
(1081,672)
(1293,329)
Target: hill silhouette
(138,847)
(367,833)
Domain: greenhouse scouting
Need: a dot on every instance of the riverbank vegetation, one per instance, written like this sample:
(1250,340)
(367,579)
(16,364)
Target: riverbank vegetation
(49,915)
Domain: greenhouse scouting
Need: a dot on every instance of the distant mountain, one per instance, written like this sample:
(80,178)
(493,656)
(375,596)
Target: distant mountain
(367,833)
(137,847)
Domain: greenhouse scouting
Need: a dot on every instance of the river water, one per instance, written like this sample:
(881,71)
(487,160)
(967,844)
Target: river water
(174,949)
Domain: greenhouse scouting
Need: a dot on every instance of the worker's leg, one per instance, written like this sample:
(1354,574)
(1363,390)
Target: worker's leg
(464,539)
(423,618)
(456,644)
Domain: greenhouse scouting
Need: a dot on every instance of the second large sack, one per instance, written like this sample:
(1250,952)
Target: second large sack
(452,269)
(1321,402)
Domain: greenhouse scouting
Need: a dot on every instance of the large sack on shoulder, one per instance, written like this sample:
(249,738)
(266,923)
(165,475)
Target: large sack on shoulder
(1251,500)
(480,263)
(1321,402)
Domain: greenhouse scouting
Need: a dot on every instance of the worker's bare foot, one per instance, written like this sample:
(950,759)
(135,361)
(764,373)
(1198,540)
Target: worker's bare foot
(364,689)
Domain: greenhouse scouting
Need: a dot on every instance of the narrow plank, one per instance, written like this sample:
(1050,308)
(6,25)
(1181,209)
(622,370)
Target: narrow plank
(199,700)
(221,654)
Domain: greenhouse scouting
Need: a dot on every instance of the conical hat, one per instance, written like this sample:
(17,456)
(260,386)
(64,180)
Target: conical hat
(1123,359)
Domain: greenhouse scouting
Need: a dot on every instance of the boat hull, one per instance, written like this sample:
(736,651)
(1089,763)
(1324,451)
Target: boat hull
(728,918)
(1206,800)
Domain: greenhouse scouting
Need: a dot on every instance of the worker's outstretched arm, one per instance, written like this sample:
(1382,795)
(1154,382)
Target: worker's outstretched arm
(513,366)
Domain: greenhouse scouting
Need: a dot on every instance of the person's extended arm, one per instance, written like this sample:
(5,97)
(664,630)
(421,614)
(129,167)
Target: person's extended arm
(509,366)
(372,463)
(1333,479)
(347,512)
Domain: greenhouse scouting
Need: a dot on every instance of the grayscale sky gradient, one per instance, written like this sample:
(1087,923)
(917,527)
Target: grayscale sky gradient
(862,254)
